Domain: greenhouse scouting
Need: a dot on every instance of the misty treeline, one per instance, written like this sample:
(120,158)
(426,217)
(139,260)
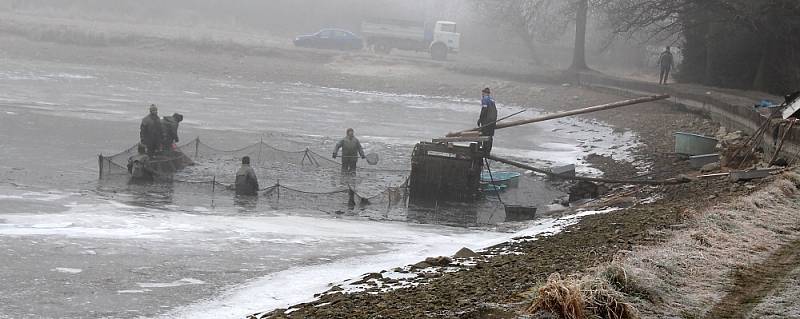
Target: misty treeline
(744,44)
(280,17)
(749,44)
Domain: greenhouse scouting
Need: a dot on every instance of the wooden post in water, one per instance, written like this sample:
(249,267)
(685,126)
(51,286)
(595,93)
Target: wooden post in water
(100,164)
(196,147)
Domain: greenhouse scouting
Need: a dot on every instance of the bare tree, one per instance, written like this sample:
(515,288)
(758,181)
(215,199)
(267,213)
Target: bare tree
(579,52)
(734,43)
(532,21)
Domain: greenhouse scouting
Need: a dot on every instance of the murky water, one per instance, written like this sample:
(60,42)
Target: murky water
(77,247)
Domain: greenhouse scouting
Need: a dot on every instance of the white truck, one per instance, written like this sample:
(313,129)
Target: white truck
(439,38)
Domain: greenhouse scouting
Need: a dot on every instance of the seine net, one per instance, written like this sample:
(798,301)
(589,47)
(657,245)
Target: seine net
(288,179)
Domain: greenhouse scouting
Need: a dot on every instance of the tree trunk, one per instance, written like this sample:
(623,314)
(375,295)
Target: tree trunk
(527,39)
(708,79)
(760,77)
(579,53)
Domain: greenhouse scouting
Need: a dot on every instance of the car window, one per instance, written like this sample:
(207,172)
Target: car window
(326,34)
(448,27)
(342,35)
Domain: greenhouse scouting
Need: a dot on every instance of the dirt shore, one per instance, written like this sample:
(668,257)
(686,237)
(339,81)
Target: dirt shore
(502,286)
(496,286)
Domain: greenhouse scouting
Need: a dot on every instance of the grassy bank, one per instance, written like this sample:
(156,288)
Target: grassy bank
(735,259)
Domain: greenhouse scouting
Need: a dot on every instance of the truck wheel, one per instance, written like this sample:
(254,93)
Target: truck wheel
(439,52)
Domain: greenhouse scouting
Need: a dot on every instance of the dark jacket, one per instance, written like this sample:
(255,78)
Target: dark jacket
(246,181)
(137,167)
(170,128)
(666,60)
(488,116)
(351,148)
(151,132)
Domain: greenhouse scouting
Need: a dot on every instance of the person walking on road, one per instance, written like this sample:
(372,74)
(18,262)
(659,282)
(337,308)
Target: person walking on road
(487,122)
(151,131)
(351,150)
(246,179)
(666,61)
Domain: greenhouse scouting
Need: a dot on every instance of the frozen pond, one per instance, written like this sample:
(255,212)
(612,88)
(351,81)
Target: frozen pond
(77,248)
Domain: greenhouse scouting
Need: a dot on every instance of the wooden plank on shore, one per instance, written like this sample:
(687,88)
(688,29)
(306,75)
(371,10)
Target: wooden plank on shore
(475,139)
(547,172)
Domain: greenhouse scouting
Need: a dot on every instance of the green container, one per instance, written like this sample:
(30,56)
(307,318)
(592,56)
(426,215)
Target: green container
(694,144)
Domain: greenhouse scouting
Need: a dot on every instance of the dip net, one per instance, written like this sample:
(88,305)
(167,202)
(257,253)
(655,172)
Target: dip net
(287,179)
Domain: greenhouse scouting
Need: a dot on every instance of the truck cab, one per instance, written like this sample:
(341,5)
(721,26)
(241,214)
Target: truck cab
(439,38)
(444,39)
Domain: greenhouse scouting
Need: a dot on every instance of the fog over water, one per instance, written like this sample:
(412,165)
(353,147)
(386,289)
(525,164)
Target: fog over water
(74,246)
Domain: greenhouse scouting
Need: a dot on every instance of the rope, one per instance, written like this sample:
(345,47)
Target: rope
(269,156)
(313,193)
(672,181)
(196,143)
(491,180)
(497,191)
(259,144)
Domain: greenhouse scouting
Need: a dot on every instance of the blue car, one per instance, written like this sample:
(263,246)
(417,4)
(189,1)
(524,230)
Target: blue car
(330,39)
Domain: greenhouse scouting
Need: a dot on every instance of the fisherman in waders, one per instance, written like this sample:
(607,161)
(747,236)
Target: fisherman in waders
(137,166)
(150,132)
(170,126)
(488,119)
(666,61)
(246,180)
(351,149)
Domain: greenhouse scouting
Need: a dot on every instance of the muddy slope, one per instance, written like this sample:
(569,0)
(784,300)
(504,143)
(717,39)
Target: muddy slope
(508,279)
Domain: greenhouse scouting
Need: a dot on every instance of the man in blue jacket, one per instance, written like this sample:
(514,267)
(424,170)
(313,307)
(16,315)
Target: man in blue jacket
(487,122)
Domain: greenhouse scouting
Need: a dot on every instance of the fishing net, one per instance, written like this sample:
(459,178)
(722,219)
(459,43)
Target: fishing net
(288,179)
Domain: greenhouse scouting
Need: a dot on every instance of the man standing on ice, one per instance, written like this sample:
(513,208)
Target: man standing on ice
(488,118)
(351,149)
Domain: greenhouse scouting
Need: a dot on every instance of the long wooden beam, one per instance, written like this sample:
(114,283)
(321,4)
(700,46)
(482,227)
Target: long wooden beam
(671,181)
(602,107)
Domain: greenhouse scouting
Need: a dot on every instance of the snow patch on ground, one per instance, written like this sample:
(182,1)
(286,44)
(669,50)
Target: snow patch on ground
(298,285)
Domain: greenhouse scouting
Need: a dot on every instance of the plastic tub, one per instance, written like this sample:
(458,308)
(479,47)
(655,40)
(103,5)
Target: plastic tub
(694,144)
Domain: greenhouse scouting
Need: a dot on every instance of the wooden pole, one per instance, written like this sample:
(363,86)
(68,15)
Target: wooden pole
(780,144)
(672,181)
(590,109)
(100,164)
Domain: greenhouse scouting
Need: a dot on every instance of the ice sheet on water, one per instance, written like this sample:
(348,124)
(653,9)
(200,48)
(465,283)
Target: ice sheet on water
(133,291)
(176,283)
(38,76)
(71,271)
(21,194)
(297,285)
